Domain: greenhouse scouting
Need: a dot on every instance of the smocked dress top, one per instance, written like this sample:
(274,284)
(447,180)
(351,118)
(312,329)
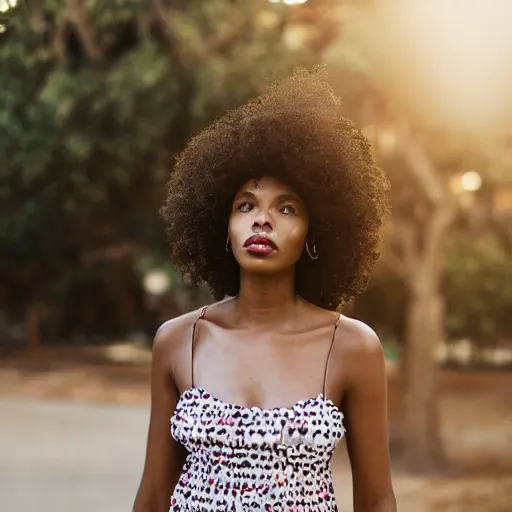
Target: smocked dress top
(245,459)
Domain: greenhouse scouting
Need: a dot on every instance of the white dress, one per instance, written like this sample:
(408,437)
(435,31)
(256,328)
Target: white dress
(251,459)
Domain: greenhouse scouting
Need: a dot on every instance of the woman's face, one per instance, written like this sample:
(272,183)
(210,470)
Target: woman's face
(268,226)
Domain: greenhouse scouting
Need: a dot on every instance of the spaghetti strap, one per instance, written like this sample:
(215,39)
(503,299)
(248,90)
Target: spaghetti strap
(201,316)
(329,354)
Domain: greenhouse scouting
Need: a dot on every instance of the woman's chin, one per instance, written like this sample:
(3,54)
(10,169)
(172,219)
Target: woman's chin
(263,266)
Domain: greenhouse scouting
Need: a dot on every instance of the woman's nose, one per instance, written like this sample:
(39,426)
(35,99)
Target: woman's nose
(262,222)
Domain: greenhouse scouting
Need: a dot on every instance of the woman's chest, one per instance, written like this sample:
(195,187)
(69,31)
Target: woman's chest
(203,422)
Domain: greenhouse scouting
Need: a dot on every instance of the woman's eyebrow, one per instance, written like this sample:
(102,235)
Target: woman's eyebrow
(281,197)
(245,193)
(292,198)
(289,197)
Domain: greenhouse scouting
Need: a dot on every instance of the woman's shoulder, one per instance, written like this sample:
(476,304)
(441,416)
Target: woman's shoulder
(355,339)
(356,353)
(350,335)
(359,355)
(177,330)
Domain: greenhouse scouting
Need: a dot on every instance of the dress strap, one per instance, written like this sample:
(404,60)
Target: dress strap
(329,353)
(201,316)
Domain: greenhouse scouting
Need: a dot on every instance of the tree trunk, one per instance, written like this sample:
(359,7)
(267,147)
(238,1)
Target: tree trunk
(33,329)
(422,448)
(417,253)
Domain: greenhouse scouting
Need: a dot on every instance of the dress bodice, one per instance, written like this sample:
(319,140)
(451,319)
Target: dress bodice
(249,459)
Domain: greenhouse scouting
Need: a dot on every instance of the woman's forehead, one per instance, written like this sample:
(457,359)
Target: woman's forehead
(268,183)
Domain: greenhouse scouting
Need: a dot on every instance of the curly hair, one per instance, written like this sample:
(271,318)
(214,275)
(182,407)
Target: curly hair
(295,132)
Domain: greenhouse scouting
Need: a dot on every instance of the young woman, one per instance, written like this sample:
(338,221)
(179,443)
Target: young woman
(278,207)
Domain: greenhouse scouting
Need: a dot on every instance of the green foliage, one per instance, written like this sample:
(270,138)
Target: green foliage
(478,288)
(382,306)
(87,137)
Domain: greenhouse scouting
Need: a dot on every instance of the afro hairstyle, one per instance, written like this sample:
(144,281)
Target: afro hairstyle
(294,132)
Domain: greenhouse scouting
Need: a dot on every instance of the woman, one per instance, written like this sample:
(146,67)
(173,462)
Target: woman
(278,207)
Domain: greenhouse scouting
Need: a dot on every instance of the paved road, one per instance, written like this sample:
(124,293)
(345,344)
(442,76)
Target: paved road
(69,457)
(72,457)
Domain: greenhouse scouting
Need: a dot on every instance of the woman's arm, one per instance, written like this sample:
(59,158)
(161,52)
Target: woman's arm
(365,408)
(164,456)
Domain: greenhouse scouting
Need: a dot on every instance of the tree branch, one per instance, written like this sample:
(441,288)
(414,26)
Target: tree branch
(36,15)
(223,39)
(77,15)
(404,236)
(436,227)
(59,39)
(145,21)
(160,16)
(394,263)
(420,167)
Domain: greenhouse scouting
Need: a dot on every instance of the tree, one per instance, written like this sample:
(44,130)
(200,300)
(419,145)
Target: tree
(97,97)
(423,154)
(478,288)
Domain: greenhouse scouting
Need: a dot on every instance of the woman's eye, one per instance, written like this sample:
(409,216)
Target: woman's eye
(288,208)
(245,207)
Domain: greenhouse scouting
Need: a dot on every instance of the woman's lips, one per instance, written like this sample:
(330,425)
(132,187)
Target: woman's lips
(260,245)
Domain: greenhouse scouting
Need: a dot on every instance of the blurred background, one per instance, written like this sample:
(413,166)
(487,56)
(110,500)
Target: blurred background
(97,98)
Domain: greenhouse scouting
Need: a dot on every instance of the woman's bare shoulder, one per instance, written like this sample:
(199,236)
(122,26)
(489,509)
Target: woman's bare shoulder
(172,346)
(356,343)
(176,332)
(177,325)
(357,336)
(356,353)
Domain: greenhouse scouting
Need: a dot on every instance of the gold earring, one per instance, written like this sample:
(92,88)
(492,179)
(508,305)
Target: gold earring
(227,244)
(313,255)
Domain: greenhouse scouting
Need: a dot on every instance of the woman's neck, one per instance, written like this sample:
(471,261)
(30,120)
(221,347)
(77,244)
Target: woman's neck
(264,300)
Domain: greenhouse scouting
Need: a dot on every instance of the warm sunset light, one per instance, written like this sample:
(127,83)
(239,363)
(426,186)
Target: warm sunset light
(455,54)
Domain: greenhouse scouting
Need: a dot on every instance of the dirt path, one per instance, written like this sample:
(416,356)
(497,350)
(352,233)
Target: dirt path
(476,412)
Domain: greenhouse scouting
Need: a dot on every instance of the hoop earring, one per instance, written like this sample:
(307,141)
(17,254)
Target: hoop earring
(227,244)
(313,255)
